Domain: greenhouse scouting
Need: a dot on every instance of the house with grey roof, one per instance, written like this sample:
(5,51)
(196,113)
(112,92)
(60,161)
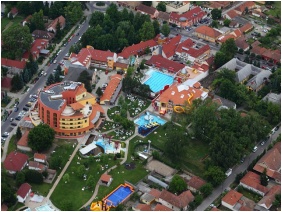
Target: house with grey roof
(258,81)
(273,97)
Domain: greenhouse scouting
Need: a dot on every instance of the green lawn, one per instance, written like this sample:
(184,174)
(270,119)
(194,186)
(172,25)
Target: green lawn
(108,125)
(5,21)
(111,111)
(133,106)
(42,189)
(252,196)
(12,145)
(16,206)
(276,11)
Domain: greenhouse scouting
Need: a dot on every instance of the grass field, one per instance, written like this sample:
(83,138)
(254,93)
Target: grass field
(5,21)
(276,11)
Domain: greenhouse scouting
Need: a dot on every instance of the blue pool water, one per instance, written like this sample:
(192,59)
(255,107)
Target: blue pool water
(119,195)
(142,121)
(44,208)
(105,145)
(158,80)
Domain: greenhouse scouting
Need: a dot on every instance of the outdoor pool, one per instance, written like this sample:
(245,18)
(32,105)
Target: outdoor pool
(108,147)
(147,118)
(44,208)
(118,195)
(157,80)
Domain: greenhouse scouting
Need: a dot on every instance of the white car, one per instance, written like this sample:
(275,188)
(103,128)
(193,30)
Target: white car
(6,133)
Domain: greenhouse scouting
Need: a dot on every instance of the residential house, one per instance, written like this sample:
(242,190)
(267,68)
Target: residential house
(138,49)
(38,47)
(230,199)
(151,11)
(188,18)
(23,143)
(14,66)
(129,4)
(195,183)
(233,24)
(147,198)
(246,28)
(207,33)
(27,20)
(23,192)
(218,4)
(174,202)
(273,97)
(271,161)
(241,43)
(15,162)
(259,80)
(112,91)
(42,158)
(231,14)
(121,64)
(163,16)
(160,207)
(159,62)
(188,50)
(174,6)
(242,8)
(267,54)
(223,103)
(14,12)
(155,193)
(52,27)
(106,179)
(267,201)
(167,49)
(258,14)
(33,165)
(141,207)
(251,181)
(41,34)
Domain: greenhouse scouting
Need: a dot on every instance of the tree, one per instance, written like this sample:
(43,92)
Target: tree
(59,32)
(50,80)
(226,22)
(85,78)
(16,40)
(214,175)
(96,18)
(148,3)
(264,178)
(17,83)
(99,92)
(206,189)
(177,184)
(18,133)
(161,6)
(156,27)
(66,178)
(147,31)
(214,24)
(90,182)
(216,14)
(80,171)
(33,176)
(165,29)
(73,11)
(277,202)
(57,75)
(20,178)
(56,162)
(8,194)
(56,9)
(198,199)
(41,137)
(37,21)
(25,8)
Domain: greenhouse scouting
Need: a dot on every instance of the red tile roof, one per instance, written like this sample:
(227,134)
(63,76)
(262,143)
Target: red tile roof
(14,11)
(189,15)
(143,207)
(77,106)
(146,9)
(188,46)
(24,139)
(6,82)
(36,165)
(15,161)
(207,31)
(252,179)
(232,14)
(160,207)
(156,193)
(23,190)
(37,45)
(135,48)
(53,24)
(170,46)
(232,197)
(110,89)
(105,177)
(180,201)
(13,63)
(226,37)
(196,182)
(40,156)
(163,15)
(237,32)
(245,208)
(242,7)
(245,28)
(268,199)
(159,61)
(241,42)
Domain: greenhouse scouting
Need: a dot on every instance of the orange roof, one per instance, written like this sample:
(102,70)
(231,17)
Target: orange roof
(24,139)
(110,89)
(40,156)
(154,192)
(180,201)
(178,94)
(226,37)
(13,63)
(196,182)
(232,197)
(207,31)
(252,179)
(77,106)
(143,207)
(37,165)
(189,47)
(232,14)
(248,26)
(97,107)
(105,178)
(268,199)
(237,32)
(242,7)
(215,209)
(61,20)
(171,45)
(160,207)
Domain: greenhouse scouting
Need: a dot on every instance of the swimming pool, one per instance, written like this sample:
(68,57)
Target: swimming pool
(108,148)
(119,195)
(143,119)
(44,208)
(157,80)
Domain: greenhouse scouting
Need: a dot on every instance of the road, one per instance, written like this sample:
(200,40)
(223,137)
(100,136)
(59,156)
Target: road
(238,169)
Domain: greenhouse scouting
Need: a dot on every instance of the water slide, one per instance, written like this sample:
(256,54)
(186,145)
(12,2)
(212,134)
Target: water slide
(98,206)
(179,109)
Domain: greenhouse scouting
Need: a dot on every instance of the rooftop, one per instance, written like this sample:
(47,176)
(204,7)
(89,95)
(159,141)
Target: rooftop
(15,161)
(207,31)
(232,197)
(252,179)
(23,190)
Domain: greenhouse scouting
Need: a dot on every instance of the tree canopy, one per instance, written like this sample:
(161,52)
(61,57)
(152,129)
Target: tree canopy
(85,78)
(41,137)
(177,184)
(216,14)
(227,51)
(161,6)
(73,11)
(215,175)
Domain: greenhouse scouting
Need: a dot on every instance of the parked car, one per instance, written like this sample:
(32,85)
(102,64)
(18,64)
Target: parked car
(55,61)
(243,158)
(277,128)
(25,109)
(255,149)
(18,118)
(11,119)
(14,124)
(16,109)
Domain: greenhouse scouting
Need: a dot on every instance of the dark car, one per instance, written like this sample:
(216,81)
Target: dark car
(277,128)
(25,109)
(14,124)
(243,159)
(16,109)
(18,118)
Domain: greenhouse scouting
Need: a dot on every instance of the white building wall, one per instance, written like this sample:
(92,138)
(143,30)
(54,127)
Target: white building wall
(252,189)
(165,203)
(39,160)
(227,205)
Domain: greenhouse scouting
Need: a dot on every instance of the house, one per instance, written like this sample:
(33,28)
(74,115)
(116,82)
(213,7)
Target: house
(188,50)
(15,162)
(6,83)
(188,18)
(233,24)
(167,49)
(147,198)
(174,6)
(42,158)
(223,103)
(271,161)
(52,27)
(160,207)
(231,14)
(121,64)
(267,200)
(242,8)
(241,43)
(112,91)
(129,4)
(38,47)
(174,202)
(23,143)
(14,66)
(141,207)
(14,11)
(41,34)
(222,39)
(195,183)
(23,192)
(230,199)
(162,63)
(151,11)
(273,97)
(251,181)
(138,49)
(106,179)
(155,193)
(207,33)
(246,28)
(27,20)
(218,4)
(33,165)
(258,81)
(163,16)
(267,54)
